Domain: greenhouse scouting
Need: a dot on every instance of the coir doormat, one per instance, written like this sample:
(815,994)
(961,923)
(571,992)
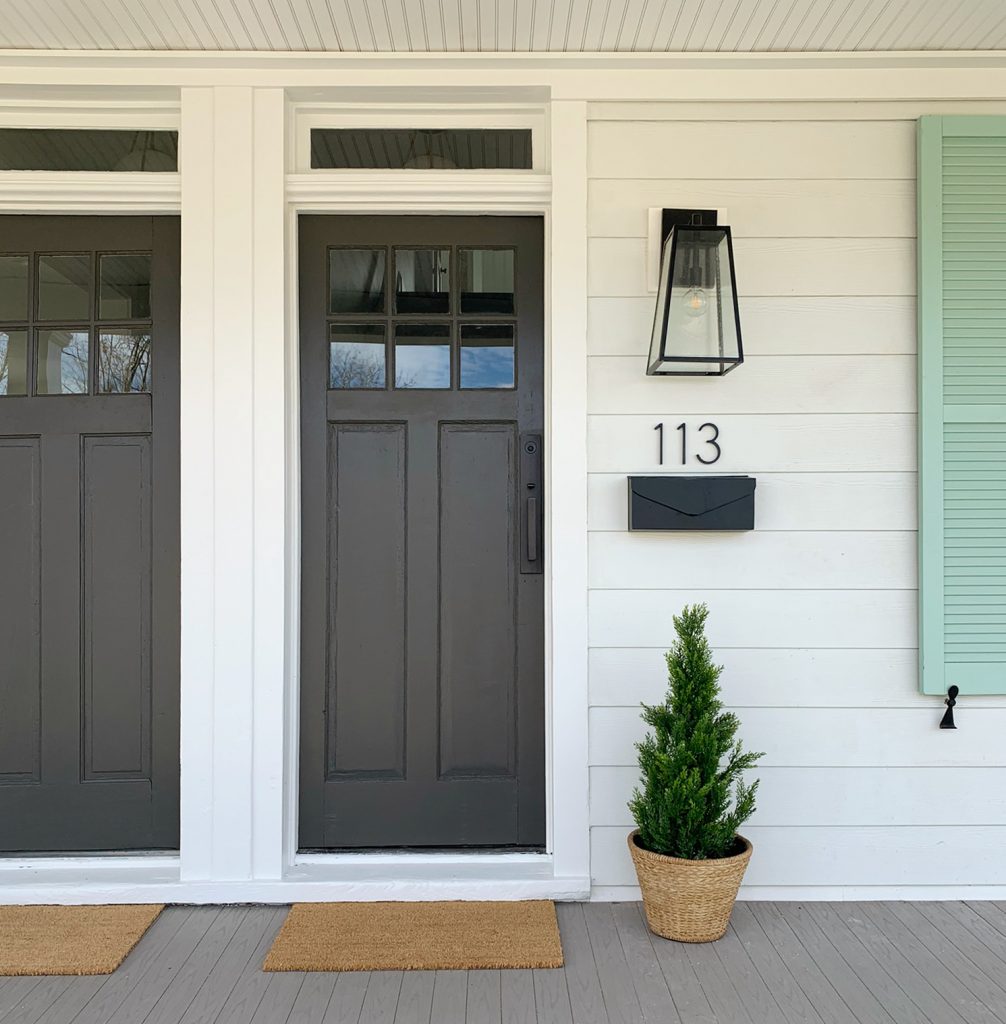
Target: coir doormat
(417,937)
(70,940)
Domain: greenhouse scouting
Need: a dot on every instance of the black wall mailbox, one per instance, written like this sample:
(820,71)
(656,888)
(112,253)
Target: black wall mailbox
(691,502)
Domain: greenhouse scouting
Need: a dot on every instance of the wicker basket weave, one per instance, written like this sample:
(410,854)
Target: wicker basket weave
(688,900)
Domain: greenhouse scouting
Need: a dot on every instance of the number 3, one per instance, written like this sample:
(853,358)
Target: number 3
(711,440)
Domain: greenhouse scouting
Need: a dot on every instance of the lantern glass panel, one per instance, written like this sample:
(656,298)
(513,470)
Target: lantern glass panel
(695,329)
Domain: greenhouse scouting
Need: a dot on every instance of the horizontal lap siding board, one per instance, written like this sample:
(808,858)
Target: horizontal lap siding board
(802,855)
(774,266)
(858,796)
(813,614)
(962,415)
(773,325)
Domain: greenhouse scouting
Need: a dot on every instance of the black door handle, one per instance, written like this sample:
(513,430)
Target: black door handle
(530,489)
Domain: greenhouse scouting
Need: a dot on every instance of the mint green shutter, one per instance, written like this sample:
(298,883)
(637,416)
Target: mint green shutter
(962,403)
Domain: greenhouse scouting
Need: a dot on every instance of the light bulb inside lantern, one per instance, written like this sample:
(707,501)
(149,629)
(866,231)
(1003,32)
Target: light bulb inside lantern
(695,302)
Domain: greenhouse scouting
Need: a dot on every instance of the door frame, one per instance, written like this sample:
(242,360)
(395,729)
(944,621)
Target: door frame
(564,216)
(239,699)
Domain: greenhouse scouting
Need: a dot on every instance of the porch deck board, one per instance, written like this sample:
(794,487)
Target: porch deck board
(826,963)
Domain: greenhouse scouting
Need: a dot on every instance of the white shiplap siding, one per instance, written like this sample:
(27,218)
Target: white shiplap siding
(814,613)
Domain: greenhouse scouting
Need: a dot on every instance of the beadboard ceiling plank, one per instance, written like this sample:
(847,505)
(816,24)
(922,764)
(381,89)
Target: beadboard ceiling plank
(433,23)
(835,33)
(295,22)
(698,37)
(684,18)
(991,27)
(725,16)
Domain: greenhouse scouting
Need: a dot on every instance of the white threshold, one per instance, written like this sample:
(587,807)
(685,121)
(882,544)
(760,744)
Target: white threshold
(312,878)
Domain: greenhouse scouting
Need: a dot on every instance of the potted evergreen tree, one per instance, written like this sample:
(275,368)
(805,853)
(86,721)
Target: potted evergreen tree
(693,798)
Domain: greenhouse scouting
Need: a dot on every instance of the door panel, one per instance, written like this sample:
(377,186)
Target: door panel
(20,621)
(477,590)
(366,600)
(115,523)
(89,460)
(422,653)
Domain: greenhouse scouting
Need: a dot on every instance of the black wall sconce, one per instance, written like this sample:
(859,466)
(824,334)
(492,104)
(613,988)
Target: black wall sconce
(697,324)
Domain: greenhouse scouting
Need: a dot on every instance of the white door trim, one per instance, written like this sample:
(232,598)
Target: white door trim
(564,869)
(61,192)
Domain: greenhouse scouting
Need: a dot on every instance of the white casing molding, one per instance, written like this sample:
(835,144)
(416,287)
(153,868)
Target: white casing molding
(84,192)
(419,192)
(566,494)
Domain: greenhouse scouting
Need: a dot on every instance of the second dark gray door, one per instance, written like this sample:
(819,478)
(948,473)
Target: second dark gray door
(422,680)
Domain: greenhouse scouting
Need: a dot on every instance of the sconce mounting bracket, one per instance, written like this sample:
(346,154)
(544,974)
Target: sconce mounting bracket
(678,218)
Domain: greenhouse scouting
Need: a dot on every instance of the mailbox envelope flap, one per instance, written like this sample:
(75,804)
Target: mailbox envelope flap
(693,496)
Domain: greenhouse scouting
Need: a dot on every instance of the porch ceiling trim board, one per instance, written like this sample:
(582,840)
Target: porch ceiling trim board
(439,78)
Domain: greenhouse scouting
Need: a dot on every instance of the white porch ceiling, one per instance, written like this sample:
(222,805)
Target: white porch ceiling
(505,25)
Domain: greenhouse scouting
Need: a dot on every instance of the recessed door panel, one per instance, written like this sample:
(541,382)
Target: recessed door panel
(365,704)
(20,620)
(477,696)
(422,593)
(116,562)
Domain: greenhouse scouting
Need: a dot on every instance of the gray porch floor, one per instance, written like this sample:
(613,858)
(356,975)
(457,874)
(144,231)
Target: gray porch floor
(825,963)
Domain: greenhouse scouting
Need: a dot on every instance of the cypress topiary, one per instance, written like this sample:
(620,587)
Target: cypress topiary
(693,797)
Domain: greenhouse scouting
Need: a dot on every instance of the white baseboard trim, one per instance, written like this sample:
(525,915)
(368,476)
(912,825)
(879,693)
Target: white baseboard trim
(831,893)
(89,880)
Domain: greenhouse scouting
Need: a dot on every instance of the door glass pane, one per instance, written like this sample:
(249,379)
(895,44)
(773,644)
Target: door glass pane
(62,363)
(356,280)
(422,280)
(13,287)
(124,282)
(422,149)
(64,287)
(356,356)
(123,361)
(87,149)
(487,356)
(13,362)
(422,356)
(487,281)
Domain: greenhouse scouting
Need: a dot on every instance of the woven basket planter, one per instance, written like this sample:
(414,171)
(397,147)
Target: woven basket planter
(688,900)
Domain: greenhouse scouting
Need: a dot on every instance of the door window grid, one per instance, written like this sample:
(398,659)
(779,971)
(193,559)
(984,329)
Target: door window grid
(67,340)
(481,320)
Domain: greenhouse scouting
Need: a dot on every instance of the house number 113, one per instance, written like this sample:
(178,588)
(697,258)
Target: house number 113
(713,451)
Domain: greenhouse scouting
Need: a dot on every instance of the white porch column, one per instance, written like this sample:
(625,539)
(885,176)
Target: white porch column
(232,482)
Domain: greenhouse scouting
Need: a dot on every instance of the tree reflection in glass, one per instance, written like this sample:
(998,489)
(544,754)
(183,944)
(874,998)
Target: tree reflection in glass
(62,362)
(356,356)
(124,362)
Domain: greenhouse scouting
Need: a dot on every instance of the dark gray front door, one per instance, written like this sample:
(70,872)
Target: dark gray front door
(421,685)
(88,533)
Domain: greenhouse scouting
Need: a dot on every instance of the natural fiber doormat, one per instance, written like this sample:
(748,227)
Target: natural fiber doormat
(70,940)
(416,937)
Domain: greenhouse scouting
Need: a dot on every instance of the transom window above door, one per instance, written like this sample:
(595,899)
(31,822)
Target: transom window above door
(427,318)
(74,323)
